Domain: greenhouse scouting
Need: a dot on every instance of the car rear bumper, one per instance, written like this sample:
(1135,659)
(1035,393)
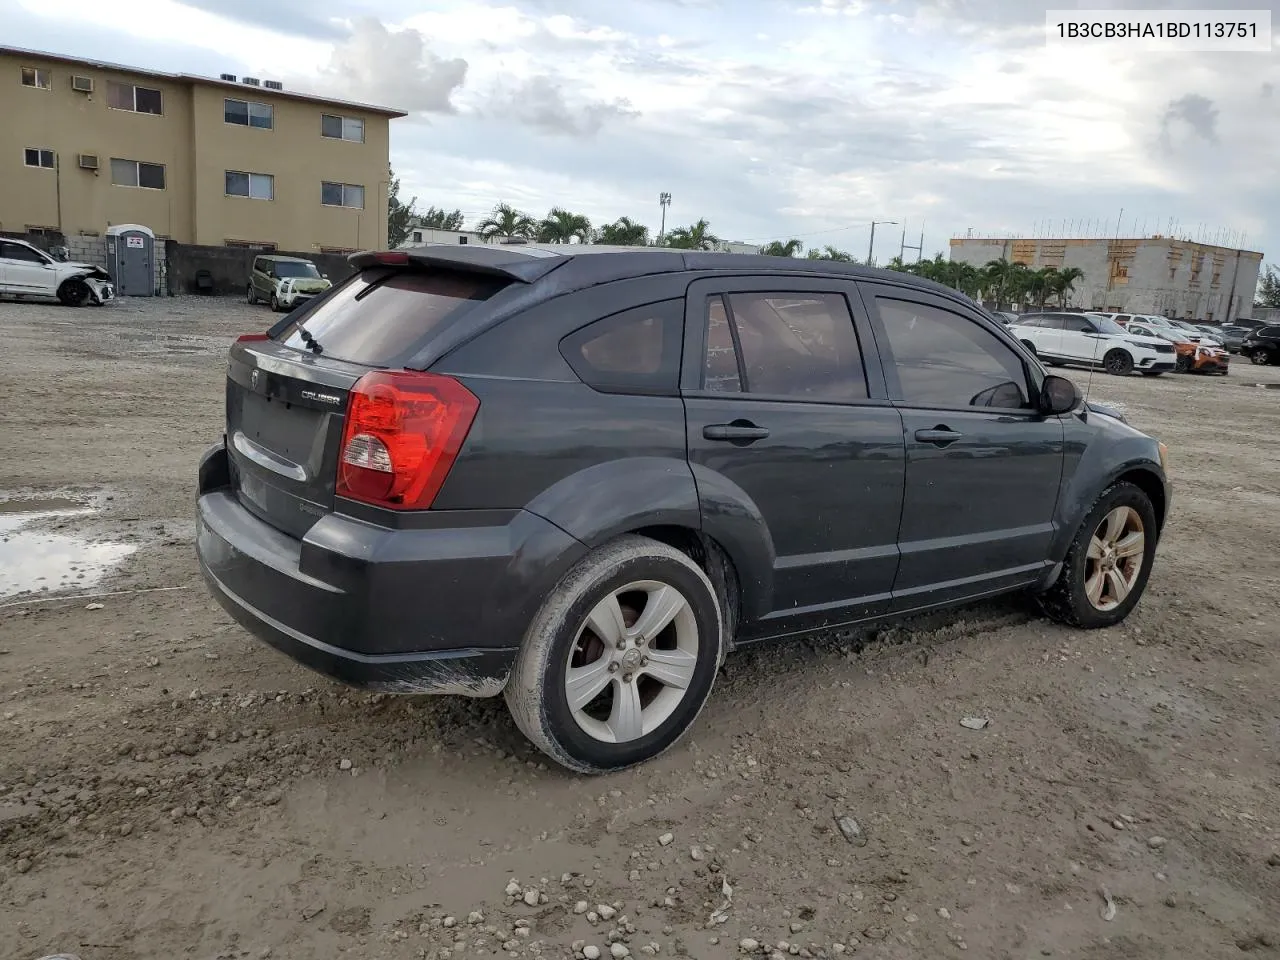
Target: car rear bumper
(439,610)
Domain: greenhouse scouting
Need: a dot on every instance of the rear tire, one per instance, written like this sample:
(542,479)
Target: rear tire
(74,293)
(632,716)
(1259,357)
(1183,365)
(275,304)
(1076,597)
(1118,363)
(251,296)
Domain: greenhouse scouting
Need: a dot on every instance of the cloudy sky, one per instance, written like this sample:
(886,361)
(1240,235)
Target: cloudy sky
(770,118)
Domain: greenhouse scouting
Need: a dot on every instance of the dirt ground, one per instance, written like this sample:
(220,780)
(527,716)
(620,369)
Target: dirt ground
(171,788)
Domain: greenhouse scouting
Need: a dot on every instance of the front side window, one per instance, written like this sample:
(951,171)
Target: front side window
(135,173)
(342,195)
(247,113)
(37,157)
(255,186)
(21,253)
(342,128)
(128,96)
(636,351)
(795,345)
(945,360)
(35,77)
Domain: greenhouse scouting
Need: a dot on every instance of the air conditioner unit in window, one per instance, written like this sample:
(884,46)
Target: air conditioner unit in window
(88,161)
(82,84)
(230,77)
(251,81)
(273,84)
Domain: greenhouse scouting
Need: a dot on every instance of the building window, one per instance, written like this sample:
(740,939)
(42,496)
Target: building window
(342,128)
(417,236)
(248,113)
(135,173)
(127,96)
(342,251)
(256,186)
(250,244)
(35,77)
(36,157)
(342,195)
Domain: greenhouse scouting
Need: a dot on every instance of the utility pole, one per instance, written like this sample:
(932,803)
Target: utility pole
(871,247)
(904,246)
(664,201)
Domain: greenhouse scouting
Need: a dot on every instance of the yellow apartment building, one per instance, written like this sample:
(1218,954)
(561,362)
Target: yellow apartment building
(226,162)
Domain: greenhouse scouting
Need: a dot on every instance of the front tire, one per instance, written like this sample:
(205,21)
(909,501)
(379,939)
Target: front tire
(621,658)
(1109,562)
(1182,365)
(1259,357)
(1118,363)
(74,293)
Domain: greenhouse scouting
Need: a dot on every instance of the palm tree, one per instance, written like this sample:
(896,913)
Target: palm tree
(830,253)
(508,223)
(561,226)
(696,237)
(624,232)
(1063,281)
(778,248)
(1039,284)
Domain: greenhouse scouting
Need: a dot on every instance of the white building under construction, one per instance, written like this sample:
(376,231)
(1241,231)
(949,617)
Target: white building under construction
(1158,274)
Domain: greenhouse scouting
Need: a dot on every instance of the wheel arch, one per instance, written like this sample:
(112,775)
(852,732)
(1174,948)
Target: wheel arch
(1150,484)
(716,562)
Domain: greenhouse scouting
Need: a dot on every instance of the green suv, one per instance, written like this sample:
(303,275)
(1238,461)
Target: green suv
(284,282)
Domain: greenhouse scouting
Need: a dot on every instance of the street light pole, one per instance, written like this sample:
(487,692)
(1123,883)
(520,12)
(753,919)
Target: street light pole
(871,247)
(664,200)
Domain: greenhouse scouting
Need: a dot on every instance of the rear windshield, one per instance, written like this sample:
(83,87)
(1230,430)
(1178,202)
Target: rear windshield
(380,316)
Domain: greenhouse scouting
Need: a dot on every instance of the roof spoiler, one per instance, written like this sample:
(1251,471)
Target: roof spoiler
(524,266)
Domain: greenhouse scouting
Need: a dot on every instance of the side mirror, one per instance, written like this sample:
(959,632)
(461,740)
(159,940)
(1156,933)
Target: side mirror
(1058,395)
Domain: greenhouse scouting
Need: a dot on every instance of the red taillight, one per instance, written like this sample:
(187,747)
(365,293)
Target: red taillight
(392,258)
(252,337)
(403,431)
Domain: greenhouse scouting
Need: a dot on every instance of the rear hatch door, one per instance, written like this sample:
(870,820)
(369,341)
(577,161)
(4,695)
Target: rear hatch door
(287,393)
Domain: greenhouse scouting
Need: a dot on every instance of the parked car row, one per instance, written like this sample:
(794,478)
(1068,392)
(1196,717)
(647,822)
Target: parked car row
(1122,343)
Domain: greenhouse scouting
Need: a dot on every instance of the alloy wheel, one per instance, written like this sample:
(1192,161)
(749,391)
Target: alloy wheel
(1116,553)
(632,661)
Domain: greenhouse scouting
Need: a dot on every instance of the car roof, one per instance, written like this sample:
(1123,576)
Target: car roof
(588,264)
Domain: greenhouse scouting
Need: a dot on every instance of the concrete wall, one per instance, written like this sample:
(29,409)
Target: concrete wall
(196,148)
(1153,275)
(230,267)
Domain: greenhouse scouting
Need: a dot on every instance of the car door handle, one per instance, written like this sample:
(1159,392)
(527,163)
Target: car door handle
(738,430)
(940,435)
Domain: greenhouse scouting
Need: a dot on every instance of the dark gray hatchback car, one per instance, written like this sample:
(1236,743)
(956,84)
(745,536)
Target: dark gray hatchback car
(580,477)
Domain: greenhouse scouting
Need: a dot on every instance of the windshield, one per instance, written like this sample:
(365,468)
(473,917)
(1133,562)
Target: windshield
(1170,334)
(290,269)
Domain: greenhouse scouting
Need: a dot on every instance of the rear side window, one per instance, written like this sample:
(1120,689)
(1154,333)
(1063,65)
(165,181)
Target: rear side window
(381,315)
(1271,333)
(800,345)
(635,351)
(945,360)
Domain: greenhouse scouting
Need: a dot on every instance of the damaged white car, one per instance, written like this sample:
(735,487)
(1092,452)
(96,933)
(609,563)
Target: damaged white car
(27,271)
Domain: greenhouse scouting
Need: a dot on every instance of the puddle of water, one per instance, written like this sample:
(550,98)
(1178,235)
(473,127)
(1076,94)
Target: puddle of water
(40,561)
